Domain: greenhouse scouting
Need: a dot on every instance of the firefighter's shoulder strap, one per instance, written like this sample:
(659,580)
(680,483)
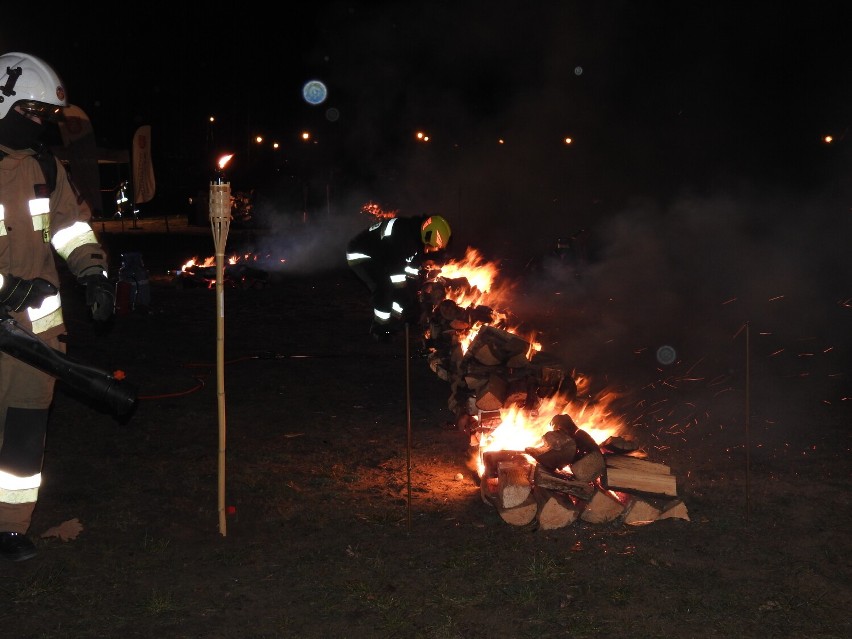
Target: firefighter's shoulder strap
(47,161)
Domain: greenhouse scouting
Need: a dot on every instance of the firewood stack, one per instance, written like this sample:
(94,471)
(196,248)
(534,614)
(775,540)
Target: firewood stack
(498,371)
(570,477)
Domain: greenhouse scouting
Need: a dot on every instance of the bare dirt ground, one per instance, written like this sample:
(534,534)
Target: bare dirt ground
(331,534)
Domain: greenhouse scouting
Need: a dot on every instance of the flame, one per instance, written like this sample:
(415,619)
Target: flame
(224,160)
(485,288)
(194,263)
(371,208)
(518,427)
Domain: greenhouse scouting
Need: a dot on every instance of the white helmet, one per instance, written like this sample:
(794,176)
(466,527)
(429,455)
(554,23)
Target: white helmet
(30,82)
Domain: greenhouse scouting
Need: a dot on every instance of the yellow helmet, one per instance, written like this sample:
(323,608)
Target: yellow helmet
(435,231)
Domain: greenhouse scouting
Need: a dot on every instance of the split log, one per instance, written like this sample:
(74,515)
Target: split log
(476,382)
(496,346)
(563,483)
(491,419)
(636,463)
(675,509)
(439,366)
(637,480)
(518,360)
(589,467)
(492,396)
(513,483)
(551,373)
(484,354)
(585,443)
(555,510)
(602,508)
(558,449)
(450,311)
(490,460)
(516,393)
(619,445)
(521,515)
(640,511)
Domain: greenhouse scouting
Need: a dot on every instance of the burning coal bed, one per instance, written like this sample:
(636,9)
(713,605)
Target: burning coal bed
(544,458)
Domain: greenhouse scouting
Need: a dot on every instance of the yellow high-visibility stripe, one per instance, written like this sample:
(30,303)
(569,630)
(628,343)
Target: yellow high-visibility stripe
(76,235)
(19,490)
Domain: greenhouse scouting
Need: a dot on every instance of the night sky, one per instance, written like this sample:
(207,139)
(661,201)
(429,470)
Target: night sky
(698,165)
(655,97)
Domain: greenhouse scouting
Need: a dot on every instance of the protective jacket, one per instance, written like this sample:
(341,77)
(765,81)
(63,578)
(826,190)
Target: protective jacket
(35,223)
(387,257)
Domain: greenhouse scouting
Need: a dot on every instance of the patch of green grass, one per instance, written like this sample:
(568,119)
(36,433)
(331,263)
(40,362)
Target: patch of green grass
(159,603)
(544,568)
(444,628)
(43,581)
(154,546)
(620,595)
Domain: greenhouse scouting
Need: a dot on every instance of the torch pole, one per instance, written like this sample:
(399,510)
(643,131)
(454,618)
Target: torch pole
(220,221)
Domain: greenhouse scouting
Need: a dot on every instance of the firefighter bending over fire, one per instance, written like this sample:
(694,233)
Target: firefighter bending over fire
(40,215)
(388,257)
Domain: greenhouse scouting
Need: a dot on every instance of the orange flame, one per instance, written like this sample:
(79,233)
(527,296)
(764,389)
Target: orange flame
(371,208)
(521,428)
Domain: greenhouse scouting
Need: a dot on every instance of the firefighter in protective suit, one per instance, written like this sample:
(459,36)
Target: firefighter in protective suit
(388,257)
(40,215)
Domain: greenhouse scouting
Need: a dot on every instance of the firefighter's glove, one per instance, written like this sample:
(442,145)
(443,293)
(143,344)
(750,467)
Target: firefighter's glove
(16,294)
(100,296)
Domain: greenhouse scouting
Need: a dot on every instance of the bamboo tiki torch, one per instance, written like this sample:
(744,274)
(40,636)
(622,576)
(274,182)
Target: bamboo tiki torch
(220,222)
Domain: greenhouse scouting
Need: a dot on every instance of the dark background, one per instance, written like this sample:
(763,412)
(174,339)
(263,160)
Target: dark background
(698,169)
(657,99)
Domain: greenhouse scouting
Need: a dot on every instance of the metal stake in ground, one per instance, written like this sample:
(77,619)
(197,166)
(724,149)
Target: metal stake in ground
(408,419)
(220,222)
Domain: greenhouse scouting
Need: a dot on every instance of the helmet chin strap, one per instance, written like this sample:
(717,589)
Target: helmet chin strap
(19,132)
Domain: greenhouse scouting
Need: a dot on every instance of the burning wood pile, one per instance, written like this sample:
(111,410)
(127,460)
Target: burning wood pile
(237,274)
(518,405)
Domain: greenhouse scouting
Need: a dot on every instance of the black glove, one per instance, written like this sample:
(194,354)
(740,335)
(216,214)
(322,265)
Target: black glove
(100,296)
(17,294)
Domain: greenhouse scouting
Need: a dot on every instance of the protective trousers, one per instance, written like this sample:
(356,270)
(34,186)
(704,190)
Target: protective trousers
(26,395)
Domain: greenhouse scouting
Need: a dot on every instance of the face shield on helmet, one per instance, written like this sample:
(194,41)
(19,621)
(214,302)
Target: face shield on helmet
(435,232)
(32,85)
